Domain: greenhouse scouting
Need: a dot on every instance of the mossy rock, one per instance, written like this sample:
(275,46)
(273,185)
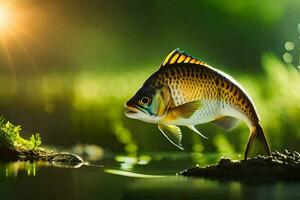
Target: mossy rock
(15,148)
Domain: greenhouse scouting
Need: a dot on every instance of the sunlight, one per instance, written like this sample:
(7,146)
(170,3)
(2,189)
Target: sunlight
(6,24)
(14,28)
(5,19)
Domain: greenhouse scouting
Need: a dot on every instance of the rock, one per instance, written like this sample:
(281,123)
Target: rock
(56,159)
(67,160)
(278,166)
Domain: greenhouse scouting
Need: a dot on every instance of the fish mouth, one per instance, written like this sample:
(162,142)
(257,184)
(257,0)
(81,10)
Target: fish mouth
(130,110)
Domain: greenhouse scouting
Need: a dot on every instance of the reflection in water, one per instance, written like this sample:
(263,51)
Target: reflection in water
(128,162)
(149,181)
(12,169)
(176,187)
(132,174)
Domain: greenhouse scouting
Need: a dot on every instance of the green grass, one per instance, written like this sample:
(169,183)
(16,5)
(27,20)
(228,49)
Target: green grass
(10,137)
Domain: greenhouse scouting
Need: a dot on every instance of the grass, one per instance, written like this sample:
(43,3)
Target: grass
(15,148)
(10,137)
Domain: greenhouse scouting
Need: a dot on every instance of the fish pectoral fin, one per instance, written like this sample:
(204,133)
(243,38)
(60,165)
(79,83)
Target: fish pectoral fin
(226,122)
(193,128)
(186,110)
(172,133)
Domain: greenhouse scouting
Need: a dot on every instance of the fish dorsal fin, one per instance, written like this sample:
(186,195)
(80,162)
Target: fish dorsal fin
(177,57)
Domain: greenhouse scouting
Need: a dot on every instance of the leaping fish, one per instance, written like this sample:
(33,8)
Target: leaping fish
(186,91)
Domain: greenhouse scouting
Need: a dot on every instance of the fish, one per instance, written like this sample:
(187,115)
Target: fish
(186,91)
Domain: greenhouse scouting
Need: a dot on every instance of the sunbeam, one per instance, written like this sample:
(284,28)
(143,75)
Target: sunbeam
(6,20)
(6,51)
(4,17)
(14,28)
(24,50)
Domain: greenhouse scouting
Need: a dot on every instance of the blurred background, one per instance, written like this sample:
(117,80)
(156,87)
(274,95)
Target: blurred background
(68,66)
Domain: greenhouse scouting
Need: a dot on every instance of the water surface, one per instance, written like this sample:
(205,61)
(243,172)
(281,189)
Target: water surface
(148,176)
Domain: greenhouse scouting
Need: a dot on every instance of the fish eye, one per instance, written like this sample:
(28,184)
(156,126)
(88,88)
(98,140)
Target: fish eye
(145,100)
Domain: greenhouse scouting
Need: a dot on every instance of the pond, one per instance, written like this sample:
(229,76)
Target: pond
(149,176)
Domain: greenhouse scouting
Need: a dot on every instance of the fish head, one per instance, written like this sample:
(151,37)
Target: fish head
(149,104)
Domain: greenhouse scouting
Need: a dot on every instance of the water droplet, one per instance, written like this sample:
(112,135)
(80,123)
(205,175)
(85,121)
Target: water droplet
(289,46)
(287,57)
(299,27)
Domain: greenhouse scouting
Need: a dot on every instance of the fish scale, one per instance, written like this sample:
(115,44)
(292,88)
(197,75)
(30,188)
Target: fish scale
(219,94)
(192,88)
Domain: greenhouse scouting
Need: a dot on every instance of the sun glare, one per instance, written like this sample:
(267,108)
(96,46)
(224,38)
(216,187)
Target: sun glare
(14,32)
(5,18)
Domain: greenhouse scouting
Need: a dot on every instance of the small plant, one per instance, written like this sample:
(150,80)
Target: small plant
(35,140)
(15,148)
(10,137)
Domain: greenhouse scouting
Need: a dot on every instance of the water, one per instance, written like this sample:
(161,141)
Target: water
(149,176)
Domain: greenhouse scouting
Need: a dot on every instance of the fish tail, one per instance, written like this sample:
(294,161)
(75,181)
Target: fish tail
(257,143)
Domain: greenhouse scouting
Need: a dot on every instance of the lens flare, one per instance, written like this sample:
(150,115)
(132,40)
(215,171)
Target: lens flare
(4,18)
(14,33)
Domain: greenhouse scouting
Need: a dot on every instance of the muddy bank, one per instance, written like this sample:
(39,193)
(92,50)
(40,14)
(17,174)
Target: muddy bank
(278,166)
